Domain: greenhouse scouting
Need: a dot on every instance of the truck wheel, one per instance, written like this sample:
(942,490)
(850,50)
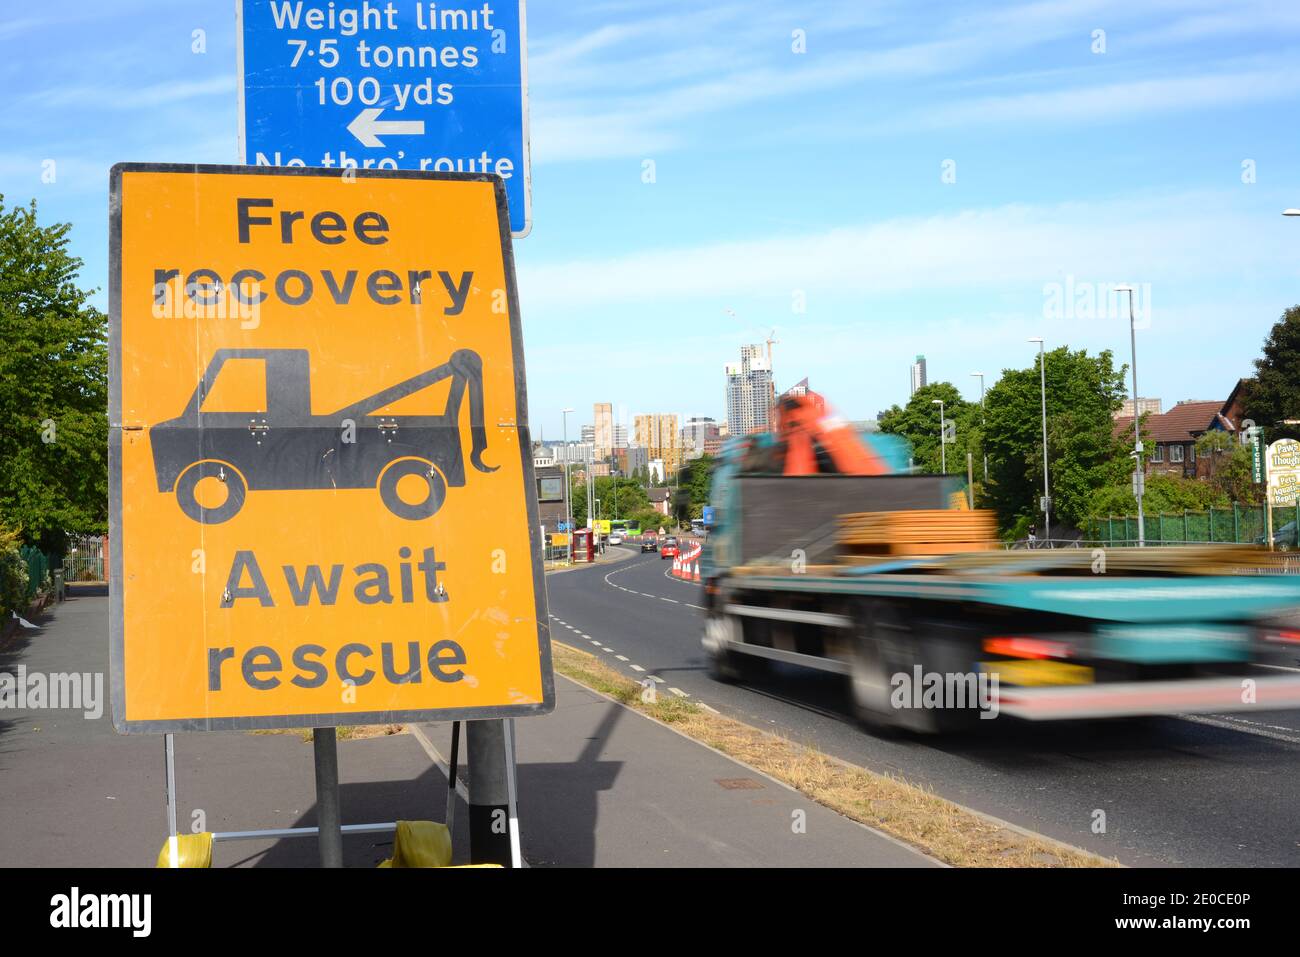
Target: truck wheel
(434,489)
(224,472)
(729,666)
(887,644)
(876,659)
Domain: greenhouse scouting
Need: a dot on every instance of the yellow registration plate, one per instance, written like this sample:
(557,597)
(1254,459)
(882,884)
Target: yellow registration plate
(1038,672)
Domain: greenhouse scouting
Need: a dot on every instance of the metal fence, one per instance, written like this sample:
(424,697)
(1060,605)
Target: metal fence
(84,561)
(38,567)
(1239,524)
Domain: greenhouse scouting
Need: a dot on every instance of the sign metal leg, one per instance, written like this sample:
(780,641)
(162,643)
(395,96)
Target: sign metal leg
(489,811)
(328,816)
(173,846)
(452,767)
(512,795)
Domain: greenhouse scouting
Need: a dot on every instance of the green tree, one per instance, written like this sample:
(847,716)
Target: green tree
(1084,454)
(918,422)
(1274,394)
(619,497)
(693,480)
(53,386)
(1227,467)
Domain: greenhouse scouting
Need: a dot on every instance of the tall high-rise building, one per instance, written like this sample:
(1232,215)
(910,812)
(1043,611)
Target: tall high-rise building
(603,440)
(749,392)
(588,434)
(918,375)
(620,436)
(657,434)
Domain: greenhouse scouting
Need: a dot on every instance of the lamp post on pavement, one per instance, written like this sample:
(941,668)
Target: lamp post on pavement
(980,376)
(1047,501)
(943,437)
(568,513)
(1139,474)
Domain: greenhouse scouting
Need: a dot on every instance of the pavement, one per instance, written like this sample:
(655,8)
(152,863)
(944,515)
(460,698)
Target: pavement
(1195,790)
(600,785)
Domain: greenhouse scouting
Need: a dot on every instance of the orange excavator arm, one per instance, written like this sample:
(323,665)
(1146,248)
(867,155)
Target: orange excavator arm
(815,442)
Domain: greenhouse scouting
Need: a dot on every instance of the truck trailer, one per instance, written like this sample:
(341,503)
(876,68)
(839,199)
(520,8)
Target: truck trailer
(1036,634)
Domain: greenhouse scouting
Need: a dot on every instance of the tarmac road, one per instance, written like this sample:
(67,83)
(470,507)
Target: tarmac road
(1194,791)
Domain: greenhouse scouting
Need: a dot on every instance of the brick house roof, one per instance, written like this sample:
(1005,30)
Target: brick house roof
(1185,422)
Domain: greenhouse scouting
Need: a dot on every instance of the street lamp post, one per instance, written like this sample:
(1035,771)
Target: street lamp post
(1047,501)
(1139,478)
(568,512)
(943,437)
(983,424)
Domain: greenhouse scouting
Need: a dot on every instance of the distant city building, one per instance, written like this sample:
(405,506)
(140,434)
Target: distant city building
(799,388)
(603,430)
(634,458)
(1153,406)
(588,434)
(620,436)
(573,453)
(749,392)
(657,434)
(918,375)
(697,433)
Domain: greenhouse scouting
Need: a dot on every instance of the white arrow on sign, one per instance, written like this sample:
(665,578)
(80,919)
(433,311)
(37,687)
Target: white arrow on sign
(368,127)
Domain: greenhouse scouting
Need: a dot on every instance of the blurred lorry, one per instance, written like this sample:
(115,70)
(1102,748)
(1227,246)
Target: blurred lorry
(824,555)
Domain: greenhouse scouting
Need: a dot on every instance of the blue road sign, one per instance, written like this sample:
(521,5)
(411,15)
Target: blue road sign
(387,85)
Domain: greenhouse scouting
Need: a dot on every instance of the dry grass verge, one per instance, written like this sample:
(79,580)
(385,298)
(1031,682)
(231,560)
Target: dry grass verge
(346,732)
(910,813)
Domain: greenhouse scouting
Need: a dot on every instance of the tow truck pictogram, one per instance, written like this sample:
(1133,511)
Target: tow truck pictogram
(285,447)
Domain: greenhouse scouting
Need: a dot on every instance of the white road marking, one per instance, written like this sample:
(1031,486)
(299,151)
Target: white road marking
(679,692)
(707,708)
(633,591)
(655,678)
(608,650)
(1244,726)
(621,657)
(637,668)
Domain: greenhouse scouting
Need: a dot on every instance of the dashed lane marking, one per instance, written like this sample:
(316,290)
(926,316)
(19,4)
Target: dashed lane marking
(1245,727)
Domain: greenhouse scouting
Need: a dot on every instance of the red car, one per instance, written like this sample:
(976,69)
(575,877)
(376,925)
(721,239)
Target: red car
(668,549)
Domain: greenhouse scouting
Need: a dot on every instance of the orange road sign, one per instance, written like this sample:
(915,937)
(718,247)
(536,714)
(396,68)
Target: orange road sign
(320,463)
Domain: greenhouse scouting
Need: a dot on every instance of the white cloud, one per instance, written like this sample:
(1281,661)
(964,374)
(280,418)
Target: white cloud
(1186,236)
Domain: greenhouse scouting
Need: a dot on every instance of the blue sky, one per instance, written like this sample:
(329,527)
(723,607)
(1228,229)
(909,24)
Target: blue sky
(801,192)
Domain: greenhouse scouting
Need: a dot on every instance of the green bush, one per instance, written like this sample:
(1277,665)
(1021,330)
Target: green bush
(13,581)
